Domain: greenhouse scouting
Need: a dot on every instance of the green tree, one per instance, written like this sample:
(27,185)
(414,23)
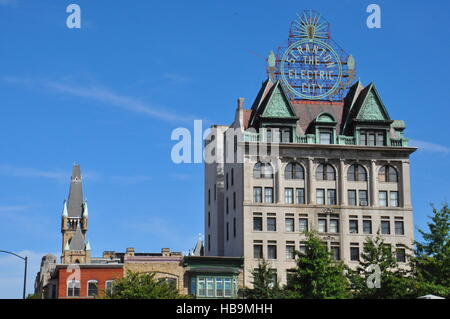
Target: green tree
(142,286)
(316,275)
(432,256)
(378,275)
(265,283)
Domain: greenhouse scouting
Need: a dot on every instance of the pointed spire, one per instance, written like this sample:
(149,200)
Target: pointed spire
(64,212)
(85,209)
(75,200)
(88,245)
(67,246)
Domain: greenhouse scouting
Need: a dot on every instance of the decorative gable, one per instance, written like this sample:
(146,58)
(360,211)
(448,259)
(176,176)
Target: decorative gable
(372,108)
(278,105)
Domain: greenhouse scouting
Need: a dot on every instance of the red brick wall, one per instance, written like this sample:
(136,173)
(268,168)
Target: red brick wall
(86,274)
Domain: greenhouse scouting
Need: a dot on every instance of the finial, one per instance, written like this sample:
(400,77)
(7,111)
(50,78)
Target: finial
(64,212)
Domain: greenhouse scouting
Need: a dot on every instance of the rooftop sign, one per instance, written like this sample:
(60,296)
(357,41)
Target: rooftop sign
(312,66)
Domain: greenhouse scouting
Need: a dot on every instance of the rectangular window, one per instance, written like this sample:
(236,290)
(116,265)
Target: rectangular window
(335,253)
(257,223)
(289,223)
(288,195)
(382,198)
(227,206)
(228,231)
(353,225)
(352,197)
(234,227)
(401,255)
(209,196)
(226,182)
(322,225)
(371,140)
(258,251)
(354,253)
(363,138)
(300,195)
(209,219)
(325,137)
(73,288)
(393,196)
(232,176)
(227,285)
(268,194)
(362,197)
(320,196)
(302,249)
(201,287)
(269,135)
(380,139)
(331,194)
(334,226)
(219,287)
(286,135)
(257,194)
(290,251)
(271,224)
(399,228)
(272,251)
(210,287)
(385,227)
(367,226)
(303,225)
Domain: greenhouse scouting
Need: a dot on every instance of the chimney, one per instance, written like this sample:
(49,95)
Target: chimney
(130,251)
(165,252)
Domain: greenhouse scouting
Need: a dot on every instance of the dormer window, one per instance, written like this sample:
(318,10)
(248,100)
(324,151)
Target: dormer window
(372,137)
(325,136)
(278,135)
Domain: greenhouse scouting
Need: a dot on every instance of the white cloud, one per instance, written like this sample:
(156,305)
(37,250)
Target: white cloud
(429,147)
(104,95)
(15,208)
(31,172)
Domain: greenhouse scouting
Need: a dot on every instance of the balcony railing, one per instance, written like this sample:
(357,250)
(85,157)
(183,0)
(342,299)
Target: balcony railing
(311,139)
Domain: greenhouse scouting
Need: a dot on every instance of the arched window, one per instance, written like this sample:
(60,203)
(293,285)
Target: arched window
(92,288)
(262,170)
(109,287)
(294,171)
(357,173)
(325,172)
(388,174)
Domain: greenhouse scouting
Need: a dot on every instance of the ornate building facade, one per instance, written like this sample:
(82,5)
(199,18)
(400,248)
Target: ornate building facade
(294,163)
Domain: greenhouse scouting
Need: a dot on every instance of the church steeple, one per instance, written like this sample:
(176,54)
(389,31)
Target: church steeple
(75,222)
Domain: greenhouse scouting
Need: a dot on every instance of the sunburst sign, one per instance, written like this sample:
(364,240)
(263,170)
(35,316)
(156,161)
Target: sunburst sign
(312,66)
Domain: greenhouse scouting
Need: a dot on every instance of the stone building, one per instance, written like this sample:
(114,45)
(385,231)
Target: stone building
(292,164)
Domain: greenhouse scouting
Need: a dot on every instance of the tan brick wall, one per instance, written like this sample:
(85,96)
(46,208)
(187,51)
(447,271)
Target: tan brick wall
(161,270)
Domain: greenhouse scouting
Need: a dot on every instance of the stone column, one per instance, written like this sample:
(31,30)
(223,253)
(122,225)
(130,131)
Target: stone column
(310,187)
(342,184)
(278,185)
(373,184)
(404,185)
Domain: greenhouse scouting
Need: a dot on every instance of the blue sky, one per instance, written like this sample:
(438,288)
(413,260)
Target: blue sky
(109,95)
